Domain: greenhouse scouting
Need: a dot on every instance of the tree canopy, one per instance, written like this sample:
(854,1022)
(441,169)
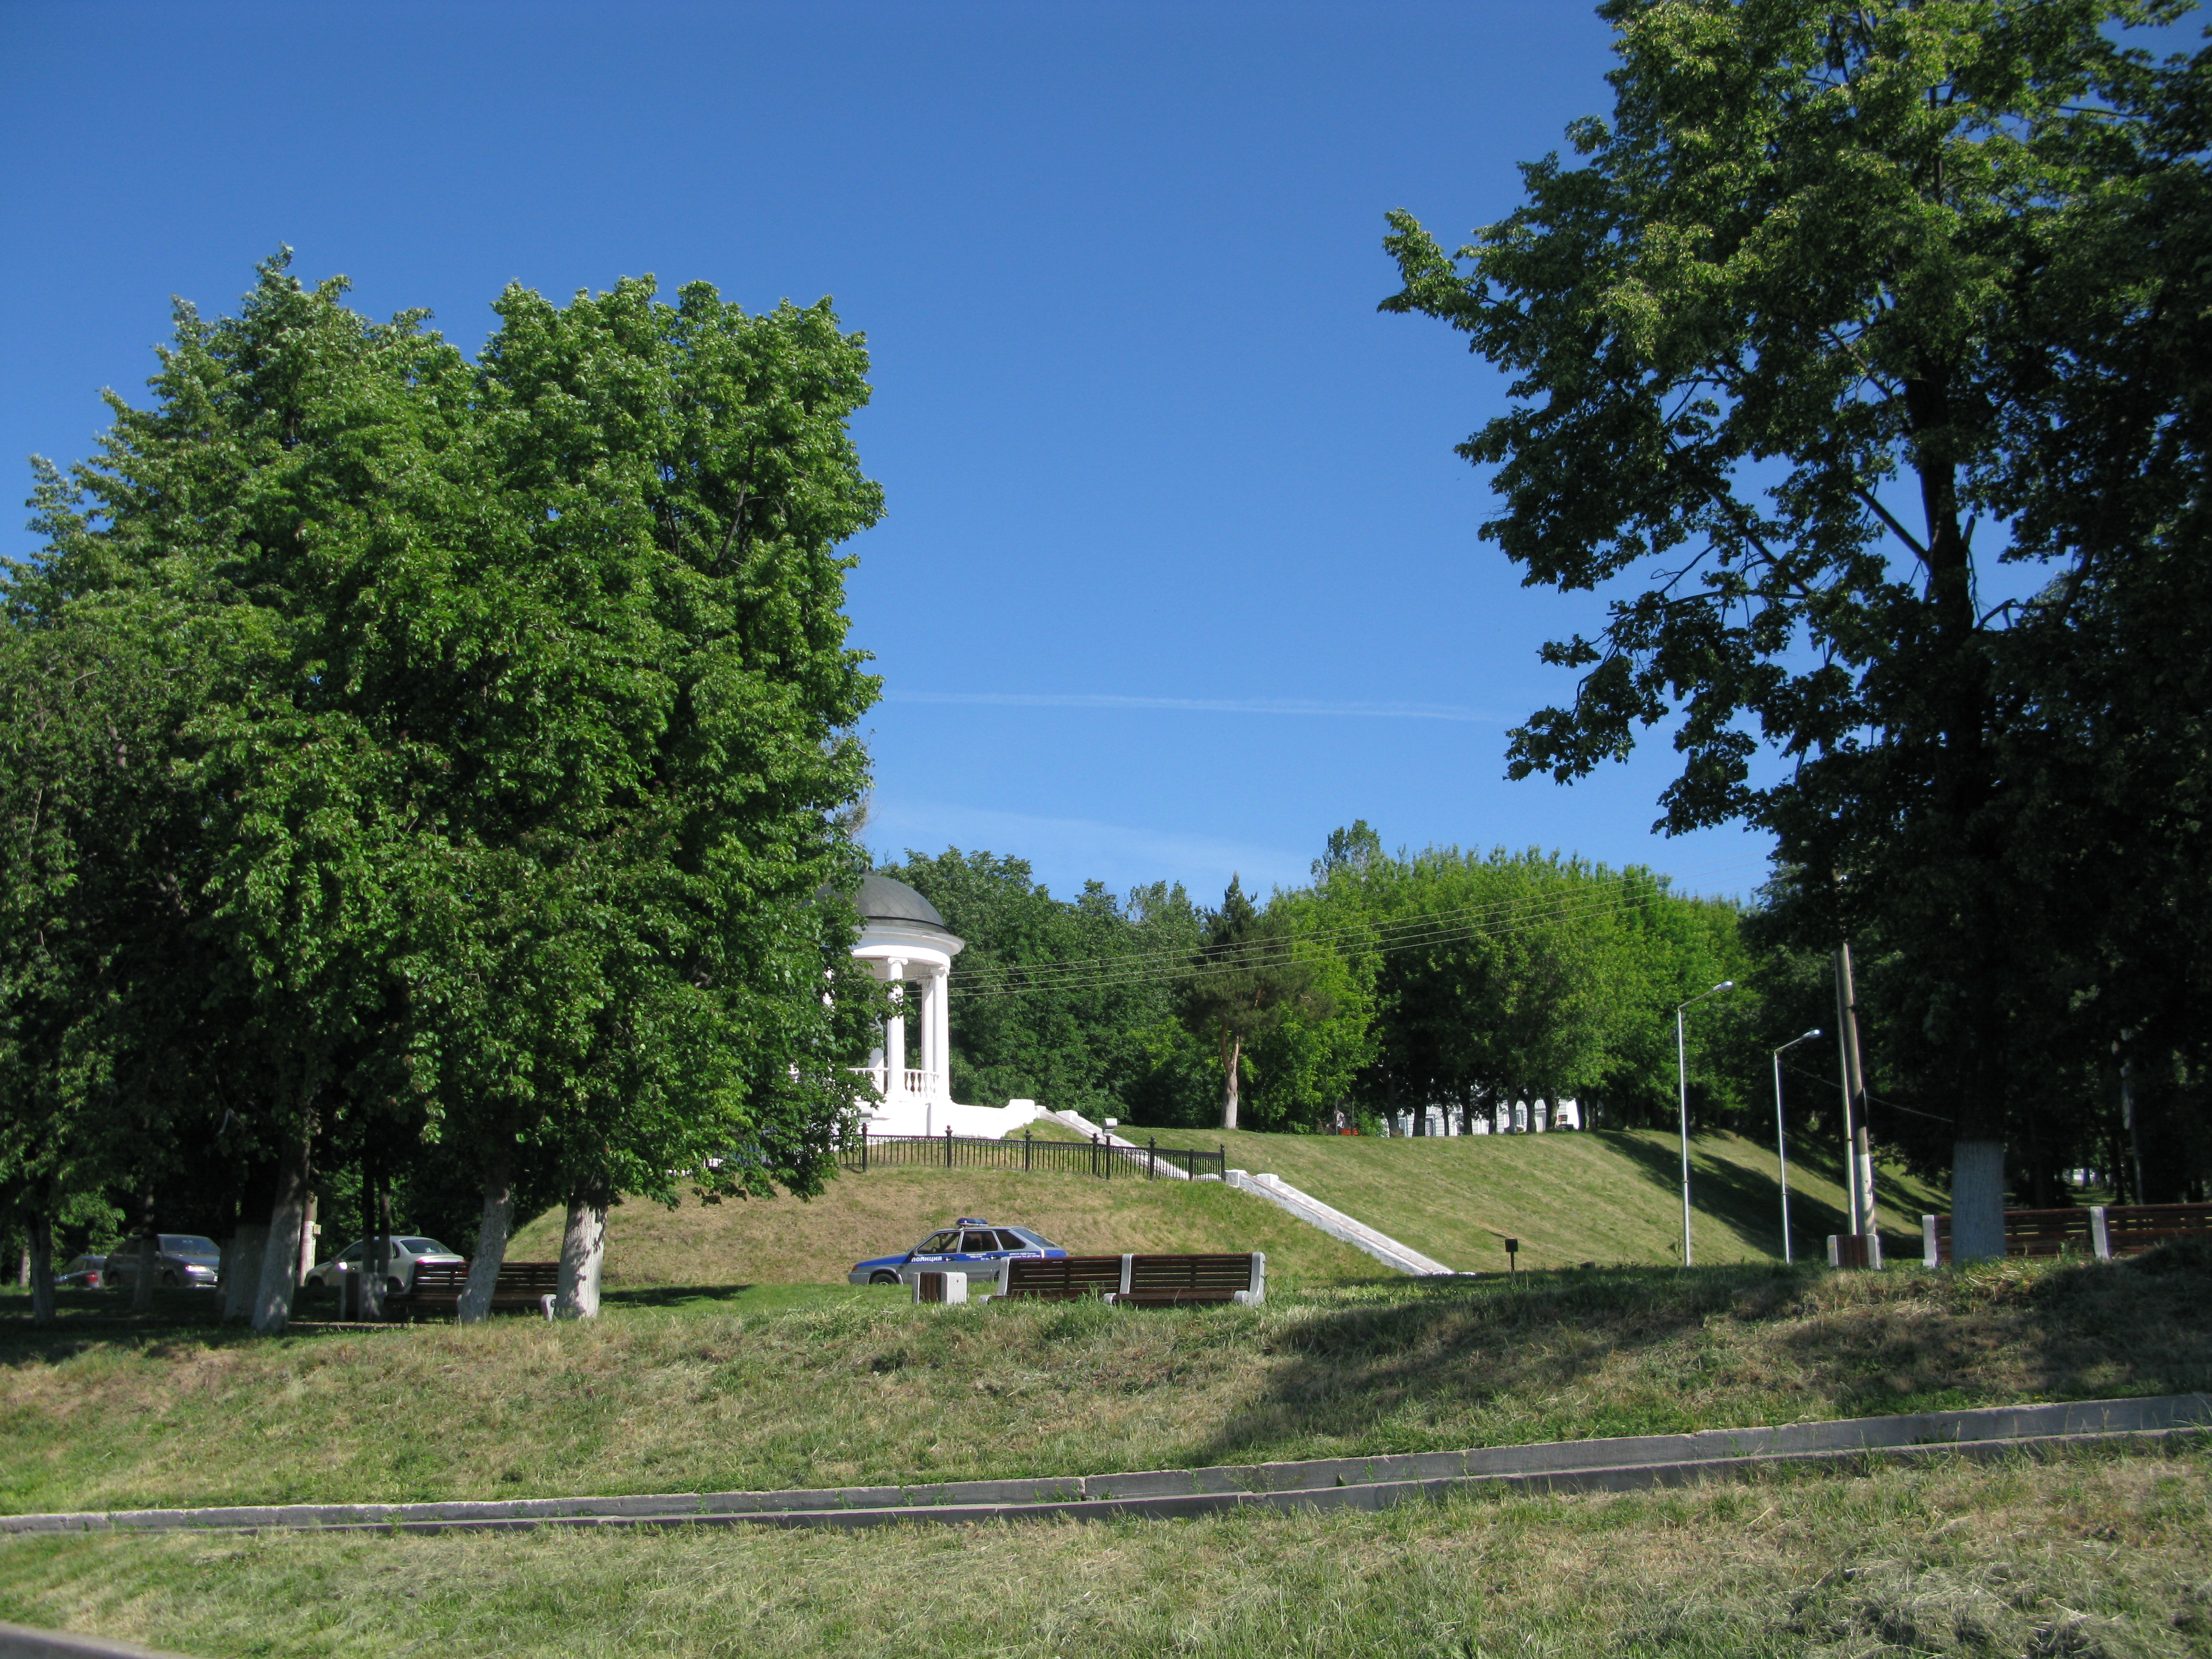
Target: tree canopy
(1821,352)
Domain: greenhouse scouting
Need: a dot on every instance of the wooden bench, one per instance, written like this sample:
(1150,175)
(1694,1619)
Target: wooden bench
(2131,1228)
(1141,1280)
(2102,1231)
(522,1287)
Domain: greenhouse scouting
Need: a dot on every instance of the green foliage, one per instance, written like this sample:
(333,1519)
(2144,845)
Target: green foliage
(454,751)
(1833,288)
(1438,978)
(1107,1043)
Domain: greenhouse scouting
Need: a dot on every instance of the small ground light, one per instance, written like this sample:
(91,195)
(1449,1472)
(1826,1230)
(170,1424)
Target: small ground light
(1513,1255)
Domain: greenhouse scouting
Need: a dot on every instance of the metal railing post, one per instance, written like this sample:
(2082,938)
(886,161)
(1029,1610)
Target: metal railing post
(1153,1158)
(864,1149)
(1025,1152)
(948,1145)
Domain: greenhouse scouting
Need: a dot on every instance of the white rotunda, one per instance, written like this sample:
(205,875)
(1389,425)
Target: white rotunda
(907,945)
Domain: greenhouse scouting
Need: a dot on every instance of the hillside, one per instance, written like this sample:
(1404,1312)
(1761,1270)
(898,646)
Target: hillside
(1606,1196)
(788,1241)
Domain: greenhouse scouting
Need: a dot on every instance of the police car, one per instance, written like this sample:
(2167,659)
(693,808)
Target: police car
(970,1245)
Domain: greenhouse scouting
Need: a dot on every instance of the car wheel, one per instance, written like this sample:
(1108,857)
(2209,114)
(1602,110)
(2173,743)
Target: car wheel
(883,1276)
(393,1287)
(170,1281)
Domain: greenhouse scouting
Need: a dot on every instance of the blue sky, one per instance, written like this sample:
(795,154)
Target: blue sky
(1179,571)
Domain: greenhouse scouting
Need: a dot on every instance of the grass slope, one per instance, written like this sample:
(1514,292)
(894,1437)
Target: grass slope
(788,1241)
(853,1386)
(1609,1196)
(2097,1556)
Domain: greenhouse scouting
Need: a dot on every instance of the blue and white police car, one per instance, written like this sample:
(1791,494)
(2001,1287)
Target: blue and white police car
(970,1245)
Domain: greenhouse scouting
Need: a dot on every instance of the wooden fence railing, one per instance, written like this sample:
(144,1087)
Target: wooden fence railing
(1151,1162)
(2101,1230)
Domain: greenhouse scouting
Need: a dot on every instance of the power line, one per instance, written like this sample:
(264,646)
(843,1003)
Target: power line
(1042,973)
(1380,937)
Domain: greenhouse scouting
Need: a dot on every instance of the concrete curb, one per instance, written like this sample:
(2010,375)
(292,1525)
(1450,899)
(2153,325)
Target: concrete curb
(22,1642)
(1612,1465)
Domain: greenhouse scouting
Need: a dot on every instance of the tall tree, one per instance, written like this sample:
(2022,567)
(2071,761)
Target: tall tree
(1250,974)
(1773,343)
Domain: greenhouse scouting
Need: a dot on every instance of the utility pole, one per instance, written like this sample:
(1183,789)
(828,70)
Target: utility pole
(1858,1156)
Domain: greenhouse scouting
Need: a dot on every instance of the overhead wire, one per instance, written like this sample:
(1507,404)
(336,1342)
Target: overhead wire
(1429,922)
(1378,937)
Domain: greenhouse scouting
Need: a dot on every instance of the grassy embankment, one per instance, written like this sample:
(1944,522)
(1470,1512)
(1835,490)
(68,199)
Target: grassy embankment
(2097,1557)
(751,1391)
(1609,1196)
(786,1241)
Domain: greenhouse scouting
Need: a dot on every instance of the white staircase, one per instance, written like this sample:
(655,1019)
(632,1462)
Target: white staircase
(1401,1258)
(1404,1258)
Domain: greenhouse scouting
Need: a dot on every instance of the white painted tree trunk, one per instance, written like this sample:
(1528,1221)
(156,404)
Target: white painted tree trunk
(583,1250)
(40,1253)
(242,1270)
(1977,1200)
(141,1284)
(492,1248)
(279,1280)
(1232,1051)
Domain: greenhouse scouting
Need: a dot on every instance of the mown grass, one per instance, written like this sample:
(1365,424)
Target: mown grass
(2098,1556)
(790,1241)
(856,1386)
(1606,1196)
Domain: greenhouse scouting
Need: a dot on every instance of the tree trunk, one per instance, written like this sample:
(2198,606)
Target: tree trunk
(1232,1051)
(24,1277)
(241,1273)
(583,1250)
(279,1280)
(492,1245)
(1977,1189)
(40,1254)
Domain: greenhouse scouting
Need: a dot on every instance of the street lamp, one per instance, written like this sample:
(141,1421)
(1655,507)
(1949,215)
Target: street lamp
(1781,1153)
(1682,1072)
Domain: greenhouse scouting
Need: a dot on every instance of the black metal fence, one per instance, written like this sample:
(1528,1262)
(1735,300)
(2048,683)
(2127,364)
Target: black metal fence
(1150,1162)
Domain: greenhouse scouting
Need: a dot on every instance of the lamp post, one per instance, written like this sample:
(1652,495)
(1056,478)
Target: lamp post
(1682,1072)
(1781,1152)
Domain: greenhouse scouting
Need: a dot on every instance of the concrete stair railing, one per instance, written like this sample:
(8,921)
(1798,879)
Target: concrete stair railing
(1402,1258)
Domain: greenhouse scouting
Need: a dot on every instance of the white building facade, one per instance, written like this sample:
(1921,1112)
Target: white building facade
(907,945)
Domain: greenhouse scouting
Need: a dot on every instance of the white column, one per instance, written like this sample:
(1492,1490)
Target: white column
(941,1015)
(895,1031)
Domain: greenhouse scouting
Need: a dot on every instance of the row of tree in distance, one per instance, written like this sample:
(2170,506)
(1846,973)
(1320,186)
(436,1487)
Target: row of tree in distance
(1393,983)
(419,775)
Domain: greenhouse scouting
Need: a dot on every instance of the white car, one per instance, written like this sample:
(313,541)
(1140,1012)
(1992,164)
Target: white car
(406,1251)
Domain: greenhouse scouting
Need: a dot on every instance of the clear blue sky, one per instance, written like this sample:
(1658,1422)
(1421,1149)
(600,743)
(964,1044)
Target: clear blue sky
(1179,571)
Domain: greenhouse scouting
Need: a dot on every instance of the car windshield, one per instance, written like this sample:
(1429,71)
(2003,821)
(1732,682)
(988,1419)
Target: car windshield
(424,1246)
(936,1244)
(188,1244)
(1036,1241)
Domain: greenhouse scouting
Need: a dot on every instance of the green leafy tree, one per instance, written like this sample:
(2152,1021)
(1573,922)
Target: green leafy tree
(529,730)
(1250,976)
(1778,343)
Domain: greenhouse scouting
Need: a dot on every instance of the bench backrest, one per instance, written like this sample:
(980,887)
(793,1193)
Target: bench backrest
(2110,1230)
(1190,1272)
(2135,1228)
(443,1279)
(1064,1275)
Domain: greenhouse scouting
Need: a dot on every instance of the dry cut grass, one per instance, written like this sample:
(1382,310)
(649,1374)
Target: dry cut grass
(791,1241)
(861,1387)
(2096,1557)
(1606,1196)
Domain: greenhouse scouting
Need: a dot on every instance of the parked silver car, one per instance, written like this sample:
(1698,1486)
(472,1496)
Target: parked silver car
(407,1249)
(181,1259)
